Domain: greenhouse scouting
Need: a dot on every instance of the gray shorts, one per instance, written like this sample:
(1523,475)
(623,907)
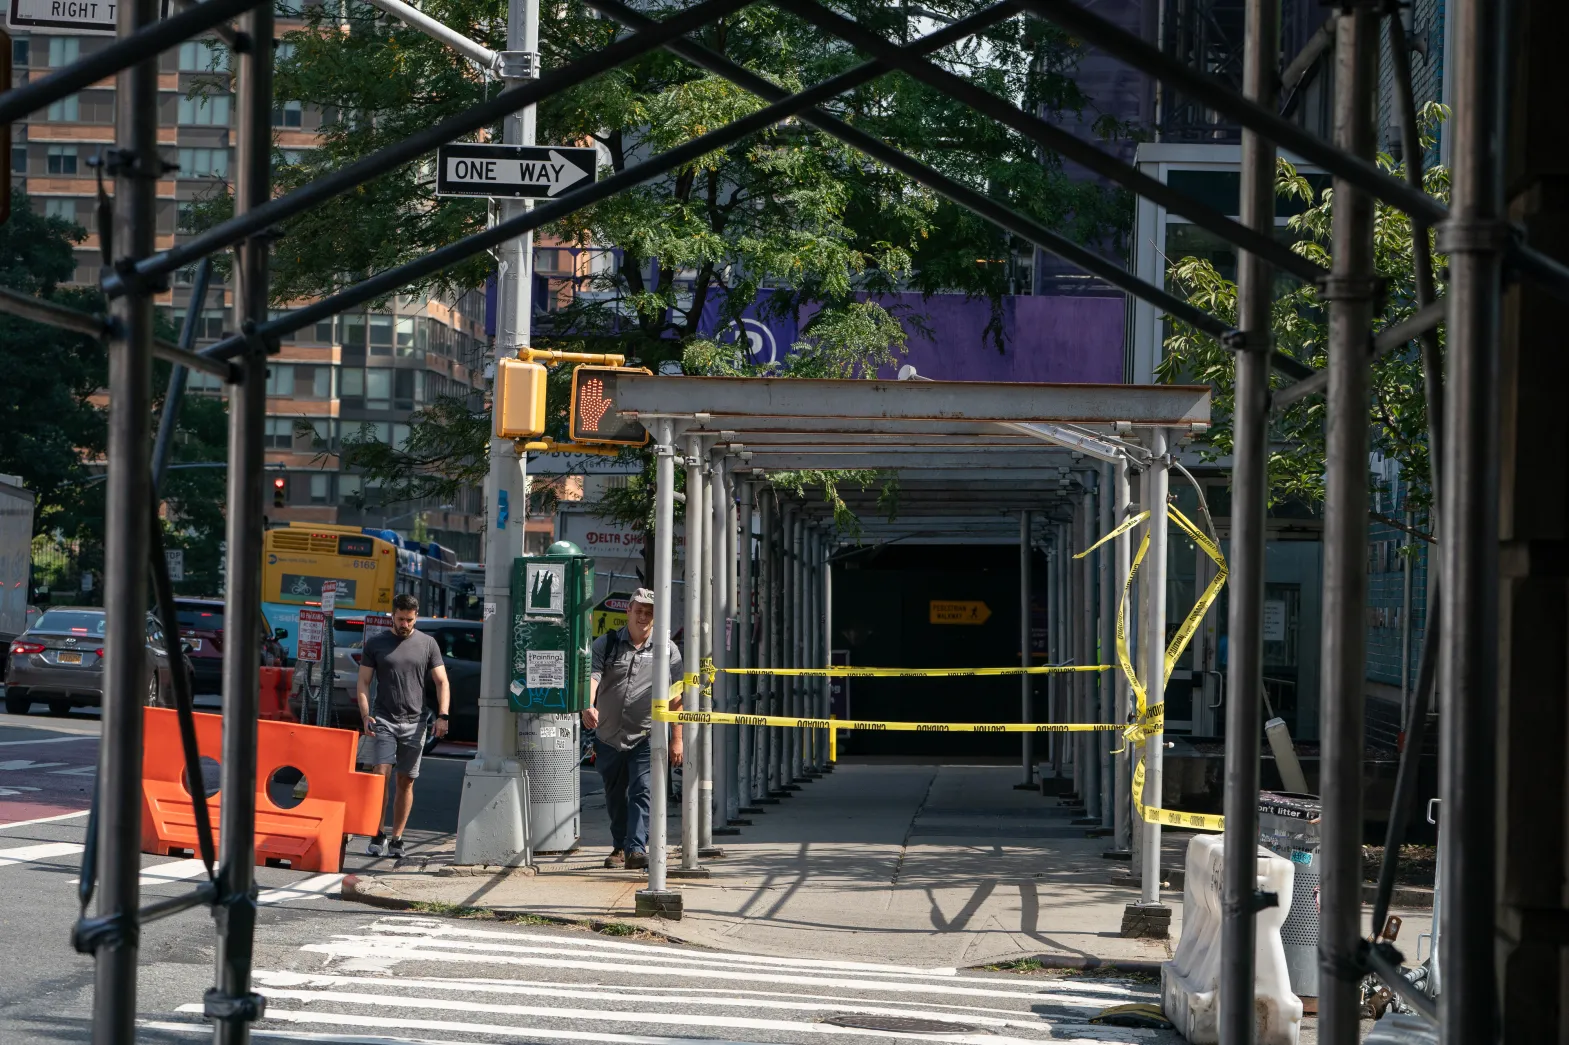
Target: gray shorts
(399,743)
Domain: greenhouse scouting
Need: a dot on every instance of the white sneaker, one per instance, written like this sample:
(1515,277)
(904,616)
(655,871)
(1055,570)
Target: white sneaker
(376,846)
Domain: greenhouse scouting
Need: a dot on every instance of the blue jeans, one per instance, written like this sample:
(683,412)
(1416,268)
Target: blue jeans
(625,774)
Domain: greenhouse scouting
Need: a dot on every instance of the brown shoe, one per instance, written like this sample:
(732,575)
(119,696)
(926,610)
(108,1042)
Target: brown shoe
(636,860)
(616,860)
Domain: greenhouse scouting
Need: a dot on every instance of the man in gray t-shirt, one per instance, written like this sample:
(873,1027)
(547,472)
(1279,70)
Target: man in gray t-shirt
(402,661)
(620,698)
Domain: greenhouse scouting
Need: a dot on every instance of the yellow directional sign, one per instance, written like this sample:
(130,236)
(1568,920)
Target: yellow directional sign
(949,611)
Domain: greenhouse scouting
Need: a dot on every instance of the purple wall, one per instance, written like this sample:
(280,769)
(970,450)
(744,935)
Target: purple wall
(1045,338)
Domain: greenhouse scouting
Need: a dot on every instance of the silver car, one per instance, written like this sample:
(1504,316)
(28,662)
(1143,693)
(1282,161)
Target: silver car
(59,661)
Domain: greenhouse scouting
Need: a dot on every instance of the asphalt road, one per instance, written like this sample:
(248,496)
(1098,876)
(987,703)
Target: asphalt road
(340,972)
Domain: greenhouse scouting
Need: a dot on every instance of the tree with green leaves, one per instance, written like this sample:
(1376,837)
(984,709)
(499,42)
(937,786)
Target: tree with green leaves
(54,427)
(1398,415)
(788,209)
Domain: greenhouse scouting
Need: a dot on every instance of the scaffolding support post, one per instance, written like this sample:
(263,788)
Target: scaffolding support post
(1475,238)
(1249,501)
(1026,682)
(658,898)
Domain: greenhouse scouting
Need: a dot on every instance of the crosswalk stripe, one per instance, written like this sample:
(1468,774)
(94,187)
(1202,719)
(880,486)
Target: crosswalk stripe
(176,871)
(309,889)
(205,1029)
(289,984)
(27,854)
(430,926)
(45,819)
(377,953)
(551,1033)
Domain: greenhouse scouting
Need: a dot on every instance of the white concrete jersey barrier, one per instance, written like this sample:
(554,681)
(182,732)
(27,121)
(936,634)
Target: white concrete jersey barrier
(1190,982)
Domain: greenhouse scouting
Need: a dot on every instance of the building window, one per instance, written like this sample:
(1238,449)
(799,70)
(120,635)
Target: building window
(21,51)
(199,56)
(63,50)
(280,380)
(205,111)
(324,332)
(65,210)
(405,335)
(553,261)
(378,388)
(62,159)
(320,486)
(67,110)
(210,325)
(279,433)
(400,436)
(352,383)
(204,163)
(380,335)
(289,114)
(350,486)
(403,390)
(19,159)
(321,382)
(353,330)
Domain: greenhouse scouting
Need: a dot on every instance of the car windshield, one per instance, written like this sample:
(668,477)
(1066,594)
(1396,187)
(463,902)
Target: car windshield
(71,622)
(207,618)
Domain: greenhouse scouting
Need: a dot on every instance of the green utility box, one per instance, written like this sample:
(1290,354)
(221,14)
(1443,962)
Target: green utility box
(552,605)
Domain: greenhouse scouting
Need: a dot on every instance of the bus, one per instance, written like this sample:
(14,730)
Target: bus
(297,558)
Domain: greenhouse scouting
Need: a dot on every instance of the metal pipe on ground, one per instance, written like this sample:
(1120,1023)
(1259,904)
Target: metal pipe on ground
(1474,238)
(1350,292)
(1249,503)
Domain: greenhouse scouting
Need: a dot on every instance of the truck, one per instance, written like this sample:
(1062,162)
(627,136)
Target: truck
(16,556)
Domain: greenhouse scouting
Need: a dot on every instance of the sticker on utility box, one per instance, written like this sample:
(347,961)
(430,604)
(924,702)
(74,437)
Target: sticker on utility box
(545,592)
(547,669)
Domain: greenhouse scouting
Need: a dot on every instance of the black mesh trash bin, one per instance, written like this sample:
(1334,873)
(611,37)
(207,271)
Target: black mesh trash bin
(1288,827)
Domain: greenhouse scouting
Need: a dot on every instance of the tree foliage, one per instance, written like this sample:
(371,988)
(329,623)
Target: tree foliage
(1398,415)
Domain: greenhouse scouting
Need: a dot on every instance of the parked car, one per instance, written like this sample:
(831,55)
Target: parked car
(460,645)
(201,626)
(59,661)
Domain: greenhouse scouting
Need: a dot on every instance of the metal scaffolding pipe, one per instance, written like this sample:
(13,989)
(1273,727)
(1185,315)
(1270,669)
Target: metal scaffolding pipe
(746,599)
(1026,682)
(1349,291)
(773,636)
(114,934)
(1122,821)
(1474,239)
(1106,681)
(692,653)
(1154,649)
(1249,503)
(664,611)
(1088,616)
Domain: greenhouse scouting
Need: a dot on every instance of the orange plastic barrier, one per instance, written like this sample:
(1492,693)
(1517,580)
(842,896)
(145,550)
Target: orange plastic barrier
(276,685)
(309,836)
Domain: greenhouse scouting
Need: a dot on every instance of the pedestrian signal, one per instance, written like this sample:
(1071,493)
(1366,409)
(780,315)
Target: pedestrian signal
(594,415)
(519,410)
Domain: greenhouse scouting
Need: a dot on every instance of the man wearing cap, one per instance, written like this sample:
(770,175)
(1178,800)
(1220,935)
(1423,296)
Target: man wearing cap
(620,710)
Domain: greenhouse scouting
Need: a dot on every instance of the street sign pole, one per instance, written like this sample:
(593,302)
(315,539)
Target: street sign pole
(490,815)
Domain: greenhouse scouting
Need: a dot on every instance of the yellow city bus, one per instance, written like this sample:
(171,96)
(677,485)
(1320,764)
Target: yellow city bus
(297,558)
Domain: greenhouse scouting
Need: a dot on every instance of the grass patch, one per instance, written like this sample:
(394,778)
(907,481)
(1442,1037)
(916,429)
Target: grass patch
(1017,965)
(1108,971)
(523,918)
(449,910)
(618,929)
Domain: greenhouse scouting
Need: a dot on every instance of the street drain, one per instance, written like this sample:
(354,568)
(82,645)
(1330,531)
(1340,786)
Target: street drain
(901,1024)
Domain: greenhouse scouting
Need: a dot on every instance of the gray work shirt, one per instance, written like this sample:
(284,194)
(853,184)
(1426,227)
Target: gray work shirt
(402,667)
(625,699)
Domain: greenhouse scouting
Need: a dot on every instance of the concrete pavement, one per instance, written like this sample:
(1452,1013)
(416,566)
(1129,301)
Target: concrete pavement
(923,865)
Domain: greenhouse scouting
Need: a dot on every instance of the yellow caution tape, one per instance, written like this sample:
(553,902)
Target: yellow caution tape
(1127,524)
(844,671)
(662,713)
(1170,817)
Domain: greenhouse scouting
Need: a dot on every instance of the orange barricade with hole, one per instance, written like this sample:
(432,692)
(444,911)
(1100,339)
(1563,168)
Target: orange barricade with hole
(333,801)
(276,685)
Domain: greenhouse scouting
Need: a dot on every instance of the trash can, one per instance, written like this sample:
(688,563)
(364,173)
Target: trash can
(1288,827)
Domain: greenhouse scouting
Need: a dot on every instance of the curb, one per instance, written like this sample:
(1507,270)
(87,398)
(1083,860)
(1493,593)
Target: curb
(354,892)
(1080,963)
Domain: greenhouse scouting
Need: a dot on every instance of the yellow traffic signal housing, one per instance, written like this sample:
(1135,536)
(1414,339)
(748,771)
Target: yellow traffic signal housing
(593,414)
(519,409)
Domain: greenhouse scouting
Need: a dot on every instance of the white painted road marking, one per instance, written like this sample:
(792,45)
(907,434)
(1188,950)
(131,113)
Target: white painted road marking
(46,819)
(309,889)
(28,854)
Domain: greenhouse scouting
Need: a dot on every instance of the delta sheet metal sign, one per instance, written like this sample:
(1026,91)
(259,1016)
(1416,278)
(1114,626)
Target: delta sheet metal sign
(82,16)
(514,171)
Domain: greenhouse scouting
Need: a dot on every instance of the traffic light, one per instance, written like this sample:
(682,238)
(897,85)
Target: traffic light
(594,418)
(519,408)
(278,485)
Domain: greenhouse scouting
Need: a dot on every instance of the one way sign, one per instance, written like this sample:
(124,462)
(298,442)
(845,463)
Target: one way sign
(523,171)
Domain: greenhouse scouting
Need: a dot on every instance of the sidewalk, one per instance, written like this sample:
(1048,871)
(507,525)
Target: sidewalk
(921,865)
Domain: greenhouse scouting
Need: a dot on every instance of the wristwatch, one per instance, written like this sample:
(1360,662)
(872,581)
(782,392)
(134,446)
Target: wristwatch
(443,716)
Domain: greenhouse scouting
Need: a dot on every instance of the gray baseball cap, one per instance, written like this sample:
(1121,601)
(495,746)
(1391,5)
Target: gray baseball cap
(644,595)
